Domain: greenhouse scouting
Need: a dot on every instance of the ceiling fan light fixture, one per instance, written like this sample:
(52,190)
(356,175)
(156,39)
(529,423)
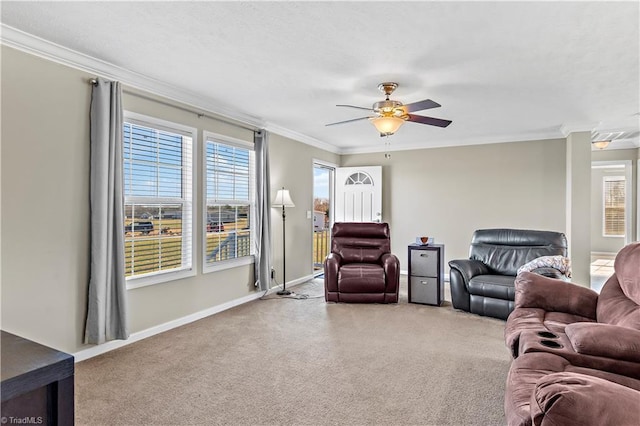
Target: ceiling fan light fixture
(388,115)
(601,144)
(387,125)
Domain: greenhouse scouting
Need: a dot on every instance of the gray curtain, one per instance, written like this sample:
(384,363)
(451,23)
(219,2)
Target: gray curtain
(106,305)
(262,236)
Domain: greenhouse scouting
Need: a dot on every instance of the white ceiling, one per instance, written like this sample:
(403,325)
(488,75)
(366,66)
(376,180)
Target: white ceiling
(502,71)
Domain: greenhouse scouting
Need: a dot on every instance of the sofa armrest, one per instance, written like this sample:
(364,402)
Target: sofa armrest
(554,295)
(605,340)
(578,399)
(391,266)
(548,272)
(331,266)
(469,268)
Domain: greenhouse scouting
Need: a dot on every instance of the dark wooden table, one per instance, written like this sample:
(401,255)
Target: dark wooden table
(37,383)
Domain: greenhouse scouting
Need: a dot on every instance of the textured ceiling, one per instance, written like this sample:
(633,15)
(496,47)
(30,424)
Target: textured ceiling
(502,71)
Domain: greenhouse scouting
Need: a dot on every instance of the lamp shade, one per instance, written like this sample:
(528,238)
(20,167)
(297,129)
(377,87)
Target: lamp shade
(283,199)
(387,125)
(601,144)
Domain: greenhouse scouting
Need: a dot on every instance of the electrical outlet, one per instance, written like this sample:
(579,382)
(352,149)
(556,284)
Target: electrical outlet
(273,273)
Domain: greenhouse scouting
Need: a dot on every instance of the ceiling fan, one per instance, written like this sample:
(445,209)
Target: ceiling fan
(389,115)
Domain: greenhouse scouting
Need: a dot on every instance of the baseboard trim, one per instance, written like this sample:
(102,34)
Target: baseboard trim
(85,354)
(292,283)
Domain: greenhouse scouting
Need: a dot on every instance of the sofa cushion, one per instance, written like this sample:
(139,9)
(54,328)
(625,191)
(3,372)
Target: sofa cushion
(495,286)
(605,340)
(505,250)
(527,370)
(579,399)
(361,278)
(614,307)
(553,295)
(536,319)
(360,242)
(628,272)
(490,306)
(354,250)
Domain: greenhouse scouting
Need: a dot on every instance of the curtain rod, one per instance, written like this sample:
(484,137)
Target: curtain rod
(94,81)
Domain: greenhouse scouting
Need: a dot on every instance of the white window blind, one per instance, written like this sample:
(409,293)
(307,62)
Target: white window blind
(158,198)
(229,168)
(614,206)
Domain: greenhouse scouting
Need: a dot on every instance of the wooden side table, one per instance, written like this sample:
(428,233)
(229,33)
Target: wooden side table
(426,274)
(37,383)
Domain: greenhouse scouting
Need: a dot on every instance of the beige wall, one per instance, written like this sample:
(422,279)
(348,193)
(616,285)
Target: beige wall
(443,192)
(45,199)
(578,202)
(45,187)
(292,167)
(448,193)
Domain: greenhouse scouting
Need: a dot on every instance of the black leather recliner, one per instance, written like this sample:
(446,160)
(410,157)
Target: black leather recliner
(483,284)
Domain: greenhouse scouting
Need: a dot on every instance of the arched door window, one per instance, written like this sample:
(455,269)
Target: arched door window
(359,178)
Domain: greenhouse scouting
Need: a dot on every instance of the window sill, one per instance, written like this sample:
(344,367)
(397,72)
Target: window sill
(158,278)
(227,264)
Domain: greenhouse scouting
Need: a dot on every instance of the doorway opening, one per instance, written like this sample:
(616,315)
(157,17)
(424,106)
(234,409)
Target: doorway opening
(323,184)
(611,216)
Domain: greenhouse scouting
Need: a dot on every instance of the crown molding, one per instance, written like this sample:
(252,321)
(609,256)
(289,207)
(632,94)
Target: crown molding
(42,48)
(37,46)
(308,140)
(456,143)
(568,128)
(48,50)
(45,49)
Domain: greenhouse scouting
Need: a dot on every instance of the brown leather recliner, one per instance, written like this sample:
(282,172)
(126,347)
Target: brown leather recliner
(361,267)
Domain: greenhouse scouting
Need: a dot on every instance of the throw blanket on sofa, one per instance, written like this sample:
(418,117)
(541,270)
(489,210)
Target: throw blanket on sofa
(561,263)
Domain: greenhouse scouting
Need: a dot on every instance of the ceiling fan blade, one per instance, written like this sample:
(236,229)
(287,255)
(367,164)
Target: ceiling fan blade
(353,106)
(421,105)
(429,120)
(347,121)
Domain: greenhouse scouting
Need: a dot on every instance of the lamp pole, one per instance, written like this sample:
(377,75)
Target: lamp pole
(283,199)
(284,291)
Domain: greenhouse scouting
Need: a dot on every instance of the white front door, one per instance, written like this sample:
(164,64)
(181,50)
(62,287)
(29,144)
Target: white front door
(358,194)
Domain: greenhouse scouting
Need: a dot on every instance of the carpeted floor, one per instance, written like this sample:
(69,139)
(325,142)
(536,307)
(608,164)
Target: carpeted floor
(305,362)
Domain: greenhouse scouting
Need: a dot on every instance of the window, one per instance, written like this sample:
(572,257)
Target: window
(359,178)
(614,206)
(229,169)
(158,194)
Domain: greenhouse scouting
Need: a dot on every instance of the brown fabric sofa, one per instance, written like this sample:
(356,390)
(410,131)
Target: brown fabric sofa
(546,389)
(543,303)
(573,347)
(361,267)
(565,399)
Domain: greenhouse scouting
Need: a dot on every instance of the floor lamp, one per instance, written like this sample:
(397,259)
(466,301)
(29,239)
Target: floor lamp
(283,199)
